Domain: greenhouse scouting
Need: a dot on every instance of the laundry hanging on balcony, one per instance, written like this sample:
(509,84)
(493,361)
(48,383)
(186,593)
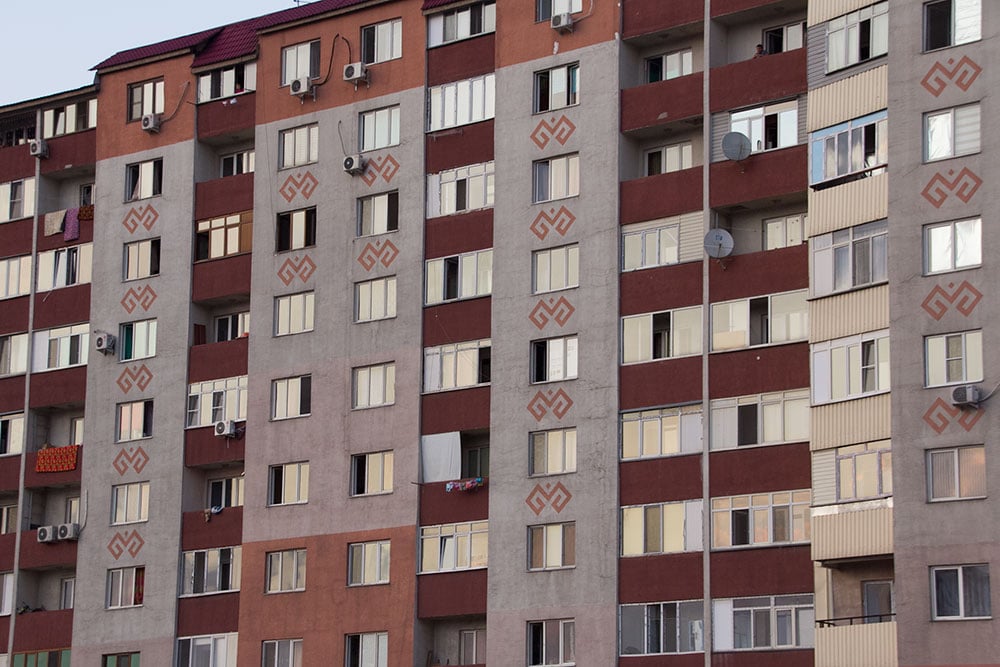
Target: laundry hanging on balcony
(464,485)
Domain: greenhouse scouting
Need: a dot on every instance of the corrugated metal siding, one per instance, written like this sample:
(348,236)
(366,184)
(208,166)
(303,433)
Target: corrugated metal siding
(720,126)
(824,477)
(864,645)
(852,534)
(692,237)
(851,313)
(853,96)
(846,205)
(850,422)
(824,10)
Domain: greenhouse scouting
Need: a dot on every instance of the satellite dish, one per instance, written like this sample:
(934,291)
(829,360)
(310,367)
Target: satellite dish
(718,243)
(736,146)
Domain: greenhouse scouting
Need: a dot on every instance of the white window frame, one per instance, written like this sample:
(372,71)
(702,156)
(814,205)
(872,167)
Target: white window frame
(8,519)
(129,503)
(794,519)
(952,132)
(552,452)
(220,650)
(378,128)
(285,571)
(11,434)
(367,649)
(763,617)
(15,276)
(368,563)
(228,490)
(381,42)
(559,356)
(301,225)
(964,25)
(298,146)
(141,259)
(733,326)
(967,479)
(960,240)
(217,400)
(465,276)
(240,162)
(375,299)
(546,9)
(223,236)
(661,528)
(378,214)
(752,123)
(962,572)
(373,394)
(784,231)
(648,245)
(843,42)
(134,420)
(472,646)
(671,158)
(65,267)
(67,592)
(461,102)
(655,336)
(648,434)
(291,649)
(74,117)
(761,419)
(288,484)
(555,178)
(6,593)
(555,269)
(227,81)
(666,66)
(454,546)
(460,190)
(143,180)
(145,98)
(944,366)
(291,397)
(63,347)
(231,326)
(557,88)
(462,23)
(456,365)
(851,470)
(662,626)
(841,362)
(850,150)
(13,354)
(538,643)
(791,35)
(837,256)
(17,199)
(371,473)
(552,546)
(294,313)
(143,340)
(119,581)
(209,571)
(300,61)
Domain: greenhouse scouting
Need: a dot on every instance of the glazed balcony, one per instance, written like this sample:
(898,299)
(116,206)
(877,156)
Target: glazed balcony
(67,386)
(854,530)
(643,17)
(460,60)
(223,196)
(644,385)
(759,369)
(221,280)
(455,234)
(861,641)
(451,594)
(37,555)
(229,119)
(662,104)
(70,153)
(218,360)
(10,472)
(202,529)
(202,448)
(762,176)
(12,394)
(457,321)
(438,505)
(660,196)
(457,146)
(41,630)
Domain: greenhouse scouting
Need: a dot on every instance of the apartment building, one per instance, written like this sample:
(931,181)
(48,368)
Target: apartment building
(365,332)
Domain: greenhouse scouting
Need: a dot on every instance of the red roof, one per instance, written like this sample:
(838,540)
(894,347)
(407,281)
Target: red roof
(233,41)
(431,4)
(158,49)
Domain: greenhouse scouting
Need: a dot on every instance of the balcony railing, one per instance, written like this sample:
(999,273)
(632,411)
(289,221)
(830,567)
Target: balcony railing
(855,620)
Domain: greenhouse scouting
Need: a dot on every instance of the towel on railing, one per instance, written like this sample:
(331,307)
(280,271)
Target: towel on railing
(71,229)
(54,222)
(86,212)
(57,459)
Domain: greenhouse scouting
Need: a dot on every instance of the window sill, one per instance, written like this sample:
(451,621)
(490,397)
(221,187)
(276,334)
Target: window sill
(633,459)
(456,129)
(378,319)
(357,408)
(368,585)
(358,237)
(955,383)
(208,594)
(371,495)
(277,335)
(542,383)
(128,361)
(460,39)
(845,399)
(238,420)
(934,501)
(860,63)
(848,290)
(280,251)
(215,259)
(225,97)
(761,346)
(297,502)
(139,199)
(938,160)
(561,568)
(463,569)
(296,166)
(129,606)
(132,280)
(59,368)
(549,201)
(943,272)
(950,46)
(290,417)
(625,364)
(427,392)
(372,149)
(542,475)
(128,523)
(290,590)
(768,545)
(555,110)
(145,437)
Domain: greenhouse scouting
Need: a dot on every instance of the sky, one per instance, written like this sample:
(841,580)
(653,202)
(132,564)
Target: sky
(49,46)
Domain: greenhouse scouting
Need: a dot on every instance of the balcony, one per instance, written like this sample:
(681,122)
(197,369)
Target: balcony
(466,144)
(59,307)
(459,410)
(67,386)
(468,319)
(12,394)
(223,196)
(17,162)
(726,8)
(219,281)
(37,555)
(203,530)
(10,473)
(451,594)
(641,578)
(70,154)
(852,531)
(754,274)
(59,475)
(57,241)
(661,196)
(229,119)
(642,17)
(454,234)
(762,176)
(40,630)
(15,237)
(204,449)
(758,80)
(460,60)
(208,614)
(218,360)
(856,642)
(777,570)
(661,382)
(437,505)
(641,480)
(759,369)
(7,542)
(661,104)
(759,469)
(13,313)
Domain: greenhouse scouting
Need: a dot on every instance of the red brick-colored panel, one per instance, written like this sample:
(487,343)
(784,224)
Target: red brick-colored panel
(212,361)
(7,543)
(723,7)
(784,658)
(12,394)
(641,17)
(521,39)
(459,146)
(455,234)
(39,630)
(760,176)
(759,469)
(53,388)
(678,660)
(659,578)
(451,594)
(658,383)
(66,305)
(776,571)
(439,506)
(10,473)
(662,102)
(71,150)
(223,196)
(457,321)
(56,240)
(662,288)
(37,480)
(37,555)
(232,115)
(759,273)
(757,80)
(208,614)
(759,370)
(661,480)
(14,315)
(15,237)
(224,529)
(459,410)
(16,164)
(221,278)
(459,60)
(203,448)
(659,196)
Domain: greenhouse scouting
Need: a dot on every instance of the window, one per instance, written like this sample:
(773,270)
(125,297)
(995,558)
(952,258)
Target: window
(129,503)
(75,431)
(217,400)
(13,354)
(773,126)
(847,151)
(282,653)
(288,484)
(17,199)
(462,23)
(228,81)
(378,214)
(463,276)
(368,649)
(71,511)
(53,659)
(669,66)
(371,474)
(224,236)
(555,269)
(225,492)
(65,267)
(666,159)
(661,528)
(552,452)
(460,190)
(135,420)
(552,546)
(299,62)
(784,38)
(782,621)
(461,102)
(207,651)
(556,178)
(231,326)
(850,367)
(951,246)
(657,243)
(294,313)
(457,365)
(298,146)
(241,162)
(286,571)
(74,117)
(6,593)
(15,276)
(472,647)
(374,385)
(864,471)
(141,259)
(951,22)
(956,473)
(11,434)
(291,397)
(552,642)
(761,519)
(61,348)
(763,419)
(145,98)
(783,231)
(849,258)
(453,546)
(67,591)
(143,180)
(544,10)
(137,340)
(951,132)
(960,591)
(125,587)
(375,299)
(8,519)
(661,627)
(557,88)
(554,359)
(379,128)
(87,194)
(296,229)
(212,570)
(665,432)
(672,333)
(953,358)
(857,37)
(382,41)
(475,455)
(778,318)
(368,563)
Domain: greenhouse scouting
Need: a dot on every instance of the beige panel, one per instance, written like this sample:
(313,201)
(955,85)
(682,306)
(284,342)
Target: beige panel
(824,10)
(863,645)
(850,422)
(854,534)
(853,97)
(824,477)
(847,205)
(850,313)
(691,244)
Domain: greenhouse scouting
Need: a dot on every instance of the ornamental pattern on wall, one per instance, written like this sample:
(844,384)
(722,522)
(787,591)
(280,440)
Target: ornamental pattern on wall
(560,220)
(135,458)
(293,268)
(544,402)
(554,495)
(963,74)
(940,187)
(551,309)
(385,167)
(964,297)
(134,376)
(374,252)
(126,541)
(298,184)
(941,415)
(560,129)
(140,215)
(138,298)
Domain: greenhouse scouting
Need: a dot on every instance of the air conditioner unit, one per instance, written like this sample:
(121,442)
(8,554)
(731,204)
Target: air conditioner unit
(300,87)
(38,148)
(966,394)
(151,122)
(47,533)
(104,342)
(68,531)
(355,72)
(354,164)
(225,428)
(562,22)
